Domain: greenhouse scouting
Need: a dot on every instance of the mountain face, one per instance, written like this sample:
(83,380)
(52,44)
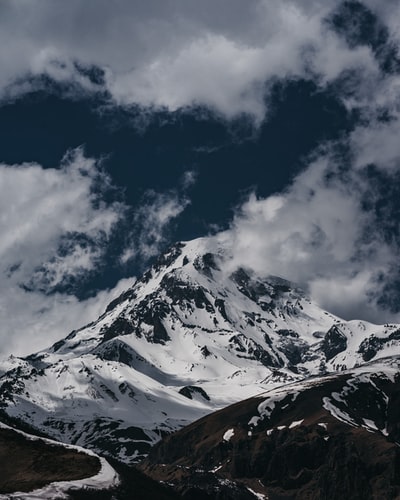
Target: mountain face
(330,437)
(186,339)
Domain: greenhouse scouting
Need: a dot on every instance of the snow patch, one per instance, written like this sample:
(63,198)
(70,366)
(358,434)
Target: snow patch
(370,424)
(296,423)
(266,408)
(228,434)
(337,413)
(259,496)
(254,421)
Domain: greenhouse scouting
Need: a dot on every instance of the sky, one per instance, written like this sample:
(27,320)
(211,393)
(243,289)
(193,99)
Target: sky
(126,126)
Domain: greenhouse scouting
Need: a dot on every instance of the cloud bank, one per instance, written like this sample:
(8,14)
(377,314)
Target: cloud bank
(153,219)
(319,234)
(54,227)
(335,229)
(177,53)
(324,231)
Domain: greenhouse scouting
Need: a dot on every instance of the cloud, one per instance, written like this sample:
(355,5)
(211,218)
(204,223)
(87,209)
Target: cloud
(53,220)
(176,53)
(335,229)
(319,234)
(156,213)
(56,230)
(55,223)
(32,321)
(153,220)
(378,141)
(55,227)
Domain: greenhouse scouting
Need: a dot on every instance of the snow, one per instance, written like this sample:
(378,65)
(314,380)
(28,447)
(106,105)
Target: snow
(228,435)
(296,423)
(337,412)
(266,408)
(259,496)
(254,421)
(370,424)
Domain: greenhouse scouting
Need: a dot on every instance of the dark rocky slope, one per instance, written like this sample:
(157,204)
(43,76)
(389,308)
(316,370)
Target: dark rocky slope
(27,465)
(334,438)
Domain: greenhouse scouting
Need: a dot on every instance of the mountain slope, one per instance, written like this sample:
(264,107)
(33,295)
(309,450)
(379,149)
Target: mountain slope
(330,437)
(186,339)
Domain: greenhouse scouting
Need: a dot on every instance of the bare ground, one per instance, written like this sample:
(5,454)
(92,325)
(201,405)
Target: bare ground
(27,465)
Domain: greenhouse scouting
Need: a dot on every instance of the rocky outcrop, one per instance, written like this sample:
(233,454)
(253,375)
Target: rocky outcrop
(335,341)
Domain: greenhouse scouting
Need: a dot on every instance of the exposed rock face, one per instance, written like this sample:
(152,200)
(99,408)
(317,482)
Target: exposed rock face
(332,438)
(335,341)
(191,391)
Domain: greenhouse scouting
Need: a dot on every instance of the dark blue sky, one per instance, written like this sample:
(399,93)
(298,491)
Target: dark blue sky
(230,158)
(126,126)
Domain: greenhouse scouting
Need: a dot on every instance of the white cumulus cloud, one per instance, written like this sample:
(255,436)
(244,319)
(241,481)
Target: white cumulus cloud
(317,233)
(54,225)
(177,53)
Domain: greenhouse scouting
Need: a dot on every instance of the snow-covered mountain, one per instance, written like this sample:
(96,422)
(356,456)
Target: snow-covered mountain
(186,339)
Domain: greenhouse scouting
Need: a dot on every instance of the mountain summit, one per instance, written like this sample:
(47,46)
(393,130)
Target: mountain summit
(186,339)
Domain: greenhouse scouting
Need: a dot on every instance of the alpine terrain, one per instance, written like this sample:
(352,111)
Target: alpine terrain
(190,338)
